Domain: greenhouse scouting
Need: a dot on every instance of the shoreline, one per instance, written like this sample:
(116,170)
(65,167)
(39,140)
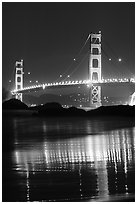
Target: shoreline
(34,113)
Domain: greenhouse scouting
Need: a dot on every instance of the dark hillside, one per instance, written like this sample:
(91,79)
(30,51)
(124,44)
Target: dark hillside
(14,104)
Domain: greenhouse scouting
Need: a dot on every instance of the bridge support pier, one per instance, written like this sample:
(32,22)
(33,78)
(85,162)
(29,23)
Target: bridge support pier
(95,69)
(19,78)
(95,96)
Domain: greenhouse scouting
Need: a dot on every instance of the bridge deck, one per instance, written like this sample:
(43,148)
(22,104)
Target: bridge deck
(69,83)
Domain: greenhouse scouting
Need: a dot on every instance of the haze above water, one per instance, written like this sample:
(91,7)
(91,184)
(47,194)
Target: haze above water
(65,159)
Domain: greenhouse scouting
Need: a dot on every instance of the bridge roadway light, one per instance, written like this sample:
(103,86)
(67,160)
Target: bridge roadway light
(119,59)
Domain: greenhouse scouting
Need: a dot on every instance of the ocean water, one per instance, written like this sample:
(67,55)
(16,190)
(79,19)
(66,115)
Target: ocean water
(68,159)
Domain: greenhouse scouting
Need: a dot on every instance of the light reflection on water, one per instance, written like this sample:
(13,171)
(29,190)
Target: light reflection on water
(68,160)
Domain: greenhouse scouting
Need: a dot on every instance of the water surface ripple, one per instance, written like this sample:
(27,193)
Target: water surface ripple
(68,159)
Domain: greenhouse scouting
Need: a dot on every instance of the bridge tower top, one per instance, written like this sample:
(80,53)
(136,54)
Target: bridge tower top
(95,38)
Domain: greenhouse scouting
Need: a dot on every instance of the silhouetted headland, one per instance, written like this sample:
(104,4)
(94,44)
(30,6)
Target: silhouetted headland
(55,109)
(14,104)
(14,107)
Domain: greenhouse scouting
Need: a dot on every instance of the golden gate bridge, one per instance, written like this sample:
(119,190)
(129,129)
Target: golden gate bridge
(95,80)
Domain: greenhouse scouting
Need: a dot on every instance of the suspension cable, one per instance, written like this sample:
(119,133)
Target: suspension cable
(83,45)
(83,57)
(115,56)
(78,65)
(75,57)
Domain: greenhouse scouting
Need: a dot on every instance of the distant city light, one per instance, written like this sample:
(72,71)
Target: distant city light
(33,105)
(68,75)
(60,75)
(30,81)
(109,59)
(119,59)
(28,72)
(10,81)
(74,59)
(36,81)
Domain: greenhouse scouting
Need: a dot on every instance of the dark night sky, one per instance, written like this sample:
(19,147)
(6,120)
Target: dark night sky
(48,36)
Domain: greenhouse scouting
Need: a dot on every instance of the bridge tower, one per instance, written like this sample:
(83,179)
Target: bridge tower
(95,69)
(19,78)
